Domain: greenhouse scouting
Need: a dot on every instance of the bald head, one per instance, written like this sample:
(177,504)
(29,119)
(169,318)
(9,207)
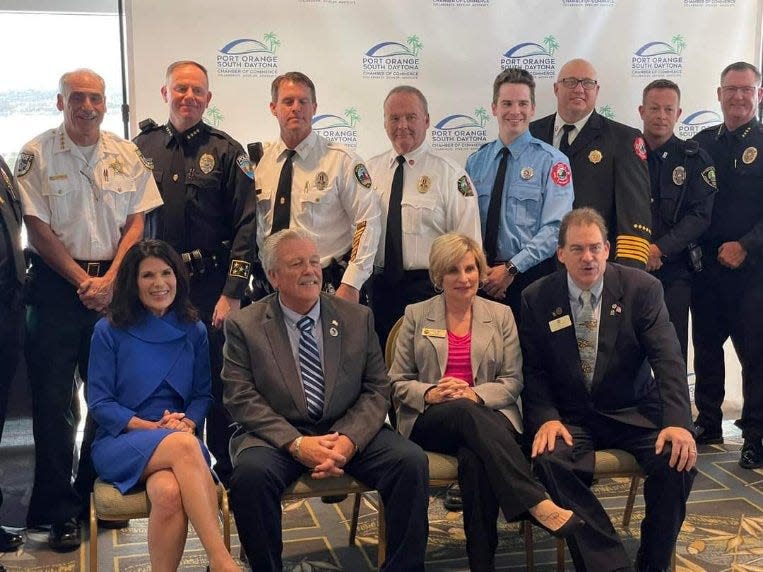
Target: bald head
(574,103)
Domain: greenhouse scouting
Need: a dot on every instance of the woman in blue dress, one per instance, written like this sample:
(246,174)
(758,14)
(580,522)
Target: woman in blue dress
(149,388)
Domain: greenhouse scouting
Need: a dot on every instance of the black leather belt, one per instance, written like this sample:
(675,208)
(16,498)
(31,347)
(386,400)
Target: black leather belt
(421,274)
(200,262)
(94,268)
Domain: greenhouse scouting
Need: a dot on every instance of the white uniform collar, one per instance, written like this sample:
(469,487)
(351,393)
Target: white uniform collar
(411,157)
(303,148)
(559,123)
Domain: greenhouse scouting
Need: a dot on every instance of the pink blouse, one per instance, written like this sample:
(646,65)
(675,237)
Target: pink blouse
(460,358)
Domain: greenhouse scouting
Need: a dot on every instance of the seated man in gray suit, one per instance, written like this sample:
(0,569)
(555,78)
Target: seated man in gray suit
(305,381)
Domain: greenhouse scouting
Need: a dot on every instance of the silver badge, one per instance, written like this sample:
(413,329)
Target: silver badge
(679,175)
(527,173)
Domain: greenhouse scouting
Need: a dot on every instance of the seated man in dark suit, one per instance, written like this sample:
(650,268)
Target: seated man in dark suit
(305,381)
(591,337)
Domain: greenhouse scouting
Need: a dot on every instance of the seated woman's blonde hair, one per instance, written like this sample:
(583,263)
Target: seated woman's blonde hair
(447,250)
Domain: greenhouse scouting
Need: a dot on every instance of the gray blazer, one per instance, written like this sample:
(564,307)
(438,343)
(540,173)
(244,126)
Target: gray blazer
(420,360)
(262,389)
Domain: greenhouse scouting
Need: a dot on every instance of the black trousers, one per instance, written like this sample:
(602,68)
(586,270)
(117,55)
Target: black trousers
(677,299)
(10,345)
(393,465)
(58,332)
(388,301)
(567,473)
(492,470)
(205,292)
(521,281)
(727,303)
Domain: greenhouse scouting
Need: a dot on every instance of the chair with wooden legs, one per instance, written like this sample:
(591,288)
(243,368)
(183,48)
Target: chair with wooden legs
(107,503)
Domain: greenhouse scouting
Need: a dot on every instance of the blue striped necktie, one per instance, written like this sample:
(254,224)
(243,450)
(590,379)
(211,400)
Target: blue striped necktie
(310,367)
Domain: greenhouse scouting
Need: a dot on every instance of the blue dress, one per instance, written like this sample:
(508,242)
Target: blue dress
(156,364)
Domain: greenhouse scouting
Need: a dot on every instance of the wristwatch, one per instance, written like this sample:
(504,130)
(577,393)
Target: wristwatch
(510,268)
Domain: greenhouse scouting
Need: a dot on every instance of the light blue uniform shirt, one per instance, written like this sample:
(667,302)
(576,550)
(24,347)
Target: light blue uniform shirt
(537,193)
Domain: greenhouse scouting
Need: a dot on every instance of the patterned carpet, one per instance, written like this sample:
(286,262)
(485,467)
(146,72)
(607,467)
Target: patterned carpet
(723,530)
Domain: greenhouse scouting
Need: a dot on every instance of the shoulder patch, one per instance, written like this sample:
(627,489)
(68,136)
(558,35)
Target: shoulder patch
(560,173)
(245,165)
(361,174)
(24,163)
(465,187)
(640,147)
(709,176)
(147,163)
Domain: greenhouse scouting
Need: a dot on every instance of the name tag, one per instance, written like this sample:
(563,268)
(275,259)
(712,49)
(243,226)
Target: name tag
(58,177)
(434,333)
(560,323)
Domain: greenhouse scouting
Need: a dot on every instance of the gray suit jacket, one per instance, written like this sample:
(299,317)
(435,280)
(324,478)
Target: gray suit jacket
(261,385)
(420,360)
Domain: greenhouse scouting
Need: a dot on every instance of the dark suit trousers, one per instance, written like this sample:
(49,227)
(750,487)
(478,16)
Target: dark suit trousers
(727,303)
(58,332)
(391,464)
(492,470)
(567,473)
(205,292)
(10,345)
(388,301)
(677,298)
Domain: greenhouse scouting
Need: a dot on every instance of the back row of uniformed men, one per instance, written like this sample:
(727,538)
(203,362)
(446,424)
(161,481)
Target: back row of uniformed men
(520,186)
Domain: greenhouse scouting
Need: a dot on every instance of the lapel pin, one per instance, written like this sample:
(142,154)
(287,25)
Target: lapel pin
(333,331)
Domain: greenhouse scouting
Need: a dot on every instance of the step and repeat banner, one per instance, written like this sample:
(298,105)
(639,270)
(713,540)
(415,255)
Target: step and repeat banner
(357,50)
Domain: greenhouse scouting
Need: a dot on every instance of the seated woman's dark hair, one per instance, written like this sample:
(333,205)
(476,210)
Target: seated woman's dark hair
(126,308)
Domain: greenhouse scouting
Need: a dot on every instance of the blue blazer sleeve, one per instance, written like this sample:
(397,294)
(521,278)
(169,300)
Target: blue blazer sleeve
(201,392)
(102,381)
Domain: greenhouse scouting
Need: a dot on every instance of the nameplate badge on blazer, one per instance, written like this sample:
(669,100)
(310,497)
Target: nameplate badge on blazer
(434,333)
(560,323)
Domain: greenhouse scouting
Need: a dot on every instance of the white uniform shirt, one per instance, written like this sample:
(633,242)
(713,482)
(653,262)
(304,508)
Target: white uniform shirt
(331,198)
(438,197)
(86,205)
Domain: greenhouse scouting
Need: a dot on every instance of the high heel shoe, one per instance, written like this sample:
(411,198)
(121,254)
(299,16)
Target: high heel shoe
(569,528)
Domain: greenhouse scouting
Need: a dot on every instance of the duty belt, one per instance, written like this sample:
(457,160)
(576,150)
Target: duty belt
(200,262)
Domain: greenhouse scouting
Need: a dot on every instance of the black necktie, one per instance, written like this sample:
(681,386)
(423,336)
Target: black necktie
(282,208)
(494,209)
(393,240)
(564,144)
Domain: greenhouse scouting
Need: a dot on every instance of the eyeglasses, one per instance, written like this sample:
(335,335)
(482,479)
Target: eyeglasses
(746,90)
(572,82)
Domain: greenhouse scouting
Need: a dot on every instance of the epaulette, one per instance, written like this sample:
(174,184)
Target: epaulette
(147,125)
(691,148)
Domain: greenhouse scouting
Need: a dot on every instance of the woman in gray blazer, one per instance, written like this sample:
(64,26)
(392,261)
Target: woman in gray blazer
(457,377)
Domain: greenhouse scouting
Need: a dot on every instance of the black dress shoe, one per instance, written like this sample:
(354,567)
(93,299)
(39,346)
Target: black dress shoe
(569,528)
(453,501)
(65,536)
(9,541)
(707,436)
(333,499)
(752,454)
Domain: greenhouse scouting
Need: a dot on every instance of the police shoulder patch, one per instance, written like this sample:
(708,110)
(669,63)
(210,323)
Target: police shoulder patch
(24,163)
(361,174)
(709,176)
(245,165)
(465,187)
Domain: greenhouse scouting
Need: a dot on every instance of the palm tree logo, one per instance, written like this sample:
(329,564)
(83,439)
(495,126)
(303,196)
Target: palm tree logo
(352,116)
(551,44)
(607,112)
(481,115)
(678,42)
(273,42)
(415,44)
(214,116)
